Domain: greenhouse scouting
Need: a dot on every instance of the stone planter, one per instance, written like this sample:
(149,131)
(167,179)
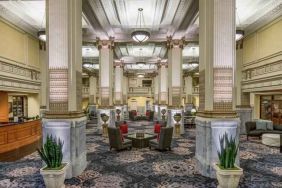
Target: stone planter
(54,178)
(228,178)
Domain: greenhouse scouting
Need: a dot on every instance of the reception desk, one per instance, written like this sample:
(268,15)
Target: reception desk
(19,139)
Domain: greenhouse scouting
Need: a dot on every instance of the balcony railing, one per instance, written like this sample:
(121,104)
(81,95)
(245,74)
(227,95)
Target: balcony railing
(140,91)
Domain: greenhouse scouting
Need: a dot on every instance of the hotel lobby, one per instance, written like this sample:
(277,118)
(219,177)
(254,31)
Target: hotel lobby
(140,93)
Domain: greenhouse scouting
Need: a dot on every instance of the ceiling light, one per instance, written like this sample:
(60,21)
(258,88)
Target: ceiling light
(140,75)
(42,35)
(140,64)
(239,34)
(140,35)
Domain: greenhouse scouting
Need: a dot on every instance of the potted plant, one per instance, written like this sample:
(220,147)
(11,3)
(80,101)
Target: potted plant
(227,172)
(177,118)
(54,172)
(105,118)
(163,111)
(118,111)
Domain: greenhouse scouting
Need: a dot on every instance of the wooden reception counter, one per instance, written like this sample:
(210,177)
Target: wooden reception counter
(19,139)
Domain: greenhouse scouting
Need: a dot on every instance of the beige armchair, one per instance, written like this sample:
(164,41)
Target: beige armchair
(164,141)
(115,139)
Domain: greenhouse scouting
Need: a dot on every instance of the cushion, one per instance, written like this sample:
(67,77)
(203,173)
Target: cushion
(277,127)
(269,125)
(157,128)
(124,128)
(256,132)
(260,125)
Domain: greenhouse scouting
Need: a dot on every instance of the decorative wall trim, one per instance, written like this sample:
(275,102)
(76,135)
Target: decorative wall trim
(263,61)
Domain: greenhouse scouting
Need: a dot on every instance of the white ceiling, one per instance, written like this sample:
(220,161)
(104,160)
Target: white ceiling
(105,18)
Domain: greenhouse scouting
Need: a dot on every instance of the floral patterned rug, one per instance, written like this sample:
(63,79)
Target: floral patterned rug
(144,168)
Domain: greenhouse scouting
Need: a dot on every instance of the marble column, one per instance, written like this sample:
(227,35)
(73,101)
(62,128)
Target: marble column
(92,106)
(163,87)
(188,89)
(175,78)
(65,118)
(124,97)
(156,96)
(243,107)
(216,114)
(44,77)
(118,89)
(106,60)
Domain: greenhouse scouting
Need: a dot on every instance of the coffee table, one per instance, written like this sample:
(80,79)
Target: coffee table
(271,139)
(140,142)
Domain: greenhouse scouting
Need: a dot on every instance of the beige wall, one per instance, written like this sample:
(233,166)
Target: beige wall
(140,101)
(18,47)
(33,105)
(264,42)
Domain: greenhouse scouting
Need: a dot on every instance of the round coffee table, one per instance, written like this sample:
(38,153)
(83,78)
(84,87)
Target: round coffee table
(271,139)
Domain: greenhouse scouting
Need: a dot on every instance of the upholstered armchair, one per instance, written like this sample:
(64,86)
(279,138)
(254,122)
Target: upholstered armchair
(116,139)
(164,140)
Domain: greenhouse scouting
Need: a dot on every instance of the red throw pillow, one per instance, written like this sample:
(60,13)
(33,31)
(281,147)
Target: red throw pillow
(124,128)
(157,128)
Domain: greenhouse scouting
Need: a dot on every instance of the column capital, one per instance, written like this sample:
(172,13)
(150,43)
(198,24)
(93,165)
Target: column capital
(162,63)
(105,43)
(173,43)
(118,63)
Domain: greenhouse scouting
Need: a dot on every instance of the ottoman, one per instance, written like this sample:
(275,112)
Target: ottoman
(271,139)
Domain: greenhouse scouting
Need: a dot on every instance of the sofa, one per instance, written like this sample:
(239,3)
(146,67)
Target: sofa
(258,127)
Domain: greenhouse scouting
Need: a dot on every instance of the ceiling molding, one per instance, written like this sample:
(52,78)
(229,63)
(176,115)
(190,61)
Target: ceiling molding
(10,17)
(265,19)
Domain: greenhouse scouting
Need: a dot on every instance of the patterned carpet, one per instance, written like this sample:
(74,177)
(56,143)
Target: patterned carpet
(144,168)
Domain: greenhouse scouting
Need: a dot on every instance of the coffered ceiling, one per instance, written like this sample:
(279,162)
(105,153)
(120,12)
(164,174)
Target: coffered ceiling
(117,18)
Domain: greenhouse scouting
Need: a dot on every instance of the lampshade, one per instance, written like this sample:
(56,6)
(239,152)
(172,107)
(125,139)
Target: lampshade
(239,34)
(140,36)
(140,75)
(41,35)
(140,64)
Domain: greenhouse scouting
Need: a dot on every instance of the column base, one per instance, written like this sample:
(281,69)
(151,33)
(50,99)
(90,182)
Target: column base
(208,131)
(245,114)
(72,132)
(171,122)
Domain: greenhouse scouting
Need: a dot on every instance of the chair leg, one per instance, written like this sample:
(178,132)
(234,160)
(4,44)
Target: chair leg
(247,138)
(110,148)
(169,148)
(150,147)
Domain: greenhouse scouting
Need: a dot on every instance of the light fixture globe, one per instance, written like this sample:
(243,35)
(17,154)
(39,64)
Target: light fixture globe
(140,35)
(42,35)
(239,35)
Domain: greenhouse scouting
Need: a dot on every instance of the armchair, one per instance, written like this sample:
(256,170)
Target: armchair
(116,139)
(164,140)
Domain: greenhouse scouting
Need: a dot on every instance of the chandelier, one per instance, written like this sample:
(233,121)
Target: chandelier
(140,35)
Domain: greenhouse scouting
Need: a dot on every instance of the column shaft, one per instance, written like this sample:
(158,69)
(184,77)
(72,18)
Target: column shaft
(92,89)
(163,85)
(118,84)
(106,72)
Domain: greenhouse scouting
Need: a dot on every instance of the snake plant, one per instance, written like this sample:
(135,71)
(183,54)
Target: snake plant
(51,152)
(228,152)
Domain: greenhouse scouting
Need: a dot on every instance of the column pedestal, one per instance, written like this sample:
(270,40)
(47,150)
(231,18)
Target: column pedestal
(208,131)
(245,114)
(109,112)
(171,122)
(71,131)
(156,112)
(92,110)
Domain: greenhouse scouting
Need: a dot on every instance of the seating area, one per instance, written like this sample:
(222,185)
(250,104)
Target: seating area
(149,168)
(259,127)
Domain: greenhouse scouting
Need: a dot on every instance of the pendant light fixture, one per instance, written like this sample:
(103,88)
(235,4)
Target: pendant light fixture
(41,33)
(239,32)
(141,63)
(140,34)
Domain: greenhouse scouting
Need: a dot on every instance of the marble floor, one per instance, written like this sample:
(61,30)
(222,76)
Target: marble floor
(144,168)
